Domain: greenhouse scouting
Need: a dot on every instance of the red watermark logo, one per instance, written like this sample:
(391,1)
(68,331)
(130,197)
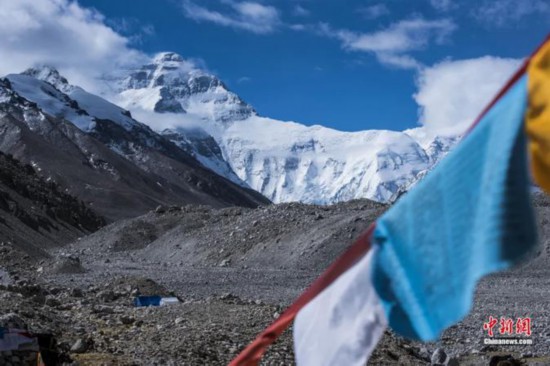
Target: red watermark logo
(522,326)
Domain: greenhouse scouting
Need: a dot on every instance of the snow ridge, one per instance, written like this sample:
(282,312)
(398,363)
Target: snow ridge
(285,161)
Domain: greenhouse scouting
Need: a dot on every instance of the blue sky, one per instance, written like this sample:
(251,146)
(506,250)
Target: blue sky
(351,65)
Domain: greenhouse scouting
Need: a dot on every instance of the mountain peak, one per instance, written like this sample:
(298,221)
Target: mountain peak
(49,74)
(163,57)
(170,83)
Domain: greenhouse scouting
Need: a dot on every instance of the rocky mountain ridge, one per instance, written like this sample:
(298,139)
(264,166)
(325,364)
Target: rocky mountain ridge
(100,153)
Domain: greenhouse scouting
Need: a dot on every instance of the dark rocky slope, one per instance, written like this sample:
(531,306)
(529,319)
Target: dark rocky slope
(36,215)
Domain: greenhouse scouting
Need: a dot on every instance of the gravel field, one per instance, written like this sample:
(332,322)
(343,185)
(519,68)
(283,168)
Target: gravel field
(235,270)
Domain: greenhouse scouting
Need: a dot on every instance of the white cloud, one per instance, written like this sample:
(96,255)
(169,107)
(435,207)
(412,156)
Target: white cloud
(374,11)
(300,11)
(298,27)
(162,121)
(148,29)
(502,12)
(250,16)
(399,61)
(63,34)
(393,44)
(451,94)
(443,5)
(132,27)
(243,79)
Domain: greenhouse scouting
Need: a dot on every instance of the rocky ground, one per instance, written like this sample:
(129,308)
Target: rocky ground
(234,270)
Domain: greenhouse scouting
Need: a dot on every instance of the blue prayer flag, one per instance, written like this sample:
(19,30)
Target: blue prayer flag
(467,218)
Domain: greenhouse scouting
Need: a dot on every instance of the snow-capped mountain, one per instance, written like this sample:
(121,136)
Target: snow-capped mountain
(89,112)
(205,149)
(291,162)
(90,108)
(435,146)
(169,84)
(285,161)
(98,151)
(188,118)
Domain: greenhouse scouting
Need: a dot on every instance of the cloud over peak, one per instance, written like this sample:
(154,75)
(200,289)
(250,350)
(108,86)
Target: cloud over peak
(393,44)
(451,94)
(245,15)
(63,34)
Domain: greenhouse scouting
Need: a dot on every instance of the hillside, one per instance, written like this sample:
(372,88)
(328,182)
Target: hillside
(36,215)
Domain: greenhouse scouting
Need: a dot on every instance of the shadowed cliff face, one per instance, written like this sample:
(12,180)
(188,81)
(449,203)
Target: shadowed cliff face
(36,214)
